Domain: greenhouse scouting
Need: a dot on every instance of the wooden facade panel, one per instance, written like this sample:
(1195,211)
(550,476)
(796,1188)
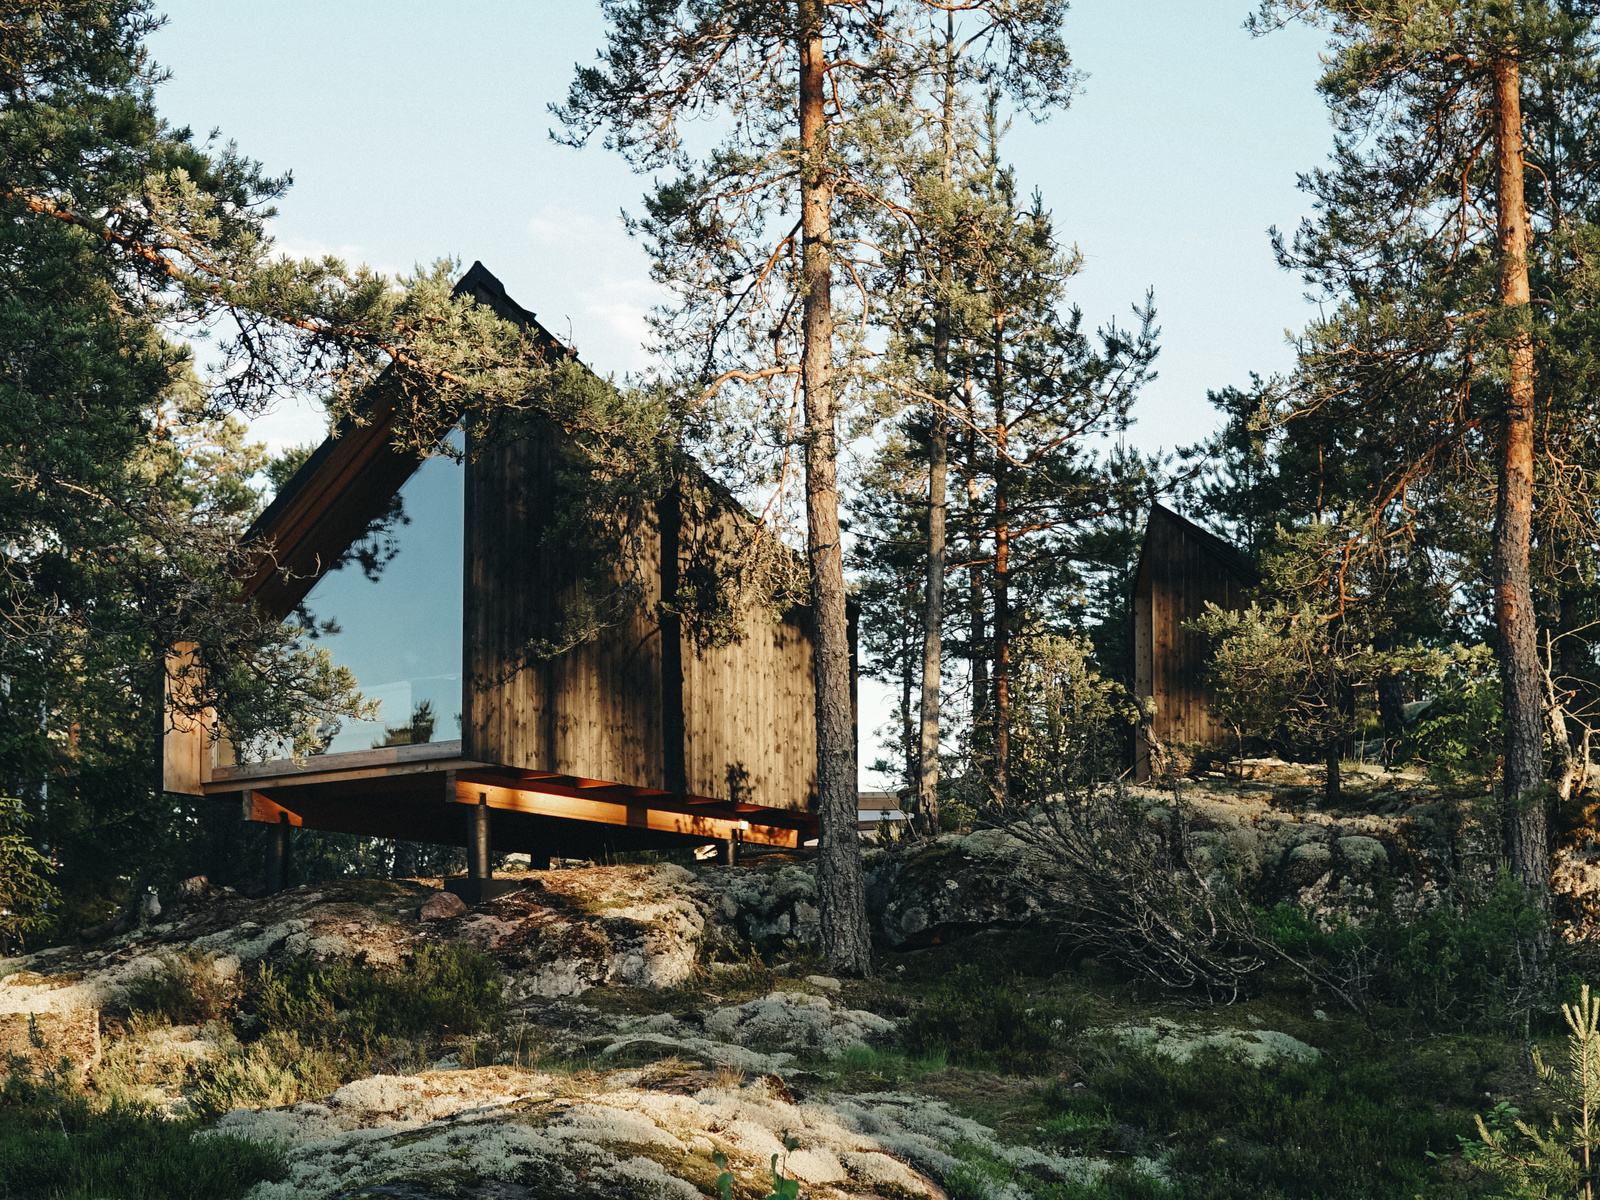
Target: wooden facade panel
(616,708)
(750,718)
(595,711)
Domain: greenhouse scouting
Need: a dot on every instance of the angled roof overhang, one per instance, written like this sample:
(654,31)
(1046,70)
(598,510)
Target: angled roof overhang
(347,482)
(1227,556)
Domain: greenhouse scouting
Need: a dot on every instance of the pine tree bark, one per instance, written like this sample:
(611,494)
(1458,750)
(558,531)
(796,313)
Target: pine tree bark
(1002,578)
(938,466)
(1525,824)
(933,619)
(841,893)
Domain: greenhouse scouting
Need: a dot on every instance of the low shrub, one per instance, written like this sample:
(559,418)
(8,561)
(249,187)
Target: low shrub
(128,1154)
(184,989)
(981,1019)
(275,1069)
(450,990)
(1356,1127)
(1474,962)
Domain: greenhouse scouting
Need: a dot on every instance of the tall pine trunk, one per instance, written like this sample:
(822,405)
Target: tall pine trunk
(841,895)
(977,626)
(1526,832)
(938,464)
(1002,576)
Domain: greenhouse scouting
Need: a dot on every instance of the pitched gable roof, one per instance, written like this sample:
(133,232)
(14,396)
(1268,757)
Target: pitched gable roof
(1226,555)
(347,481)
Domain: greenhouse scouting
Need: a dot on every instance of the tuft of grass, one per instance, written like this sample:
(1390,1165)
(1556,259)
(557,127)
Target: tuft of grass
(889,1064)
(275,1069)
(184,989)
(128,1154)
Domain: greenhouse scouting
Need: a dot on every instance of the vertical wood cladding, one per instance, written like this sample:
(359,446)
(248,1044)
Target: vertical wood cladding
(730,723)
(1181,569)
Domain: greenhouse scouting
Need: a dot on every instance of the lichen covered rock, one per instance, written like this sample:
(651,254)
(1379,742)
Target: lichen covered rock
(1181,1043)
(956,885)
(765,904)
(796,1020)
(497,1132)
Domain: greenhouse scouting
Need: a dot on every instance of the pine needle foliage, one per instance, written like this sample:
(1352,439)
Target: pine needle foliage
(1559,1161)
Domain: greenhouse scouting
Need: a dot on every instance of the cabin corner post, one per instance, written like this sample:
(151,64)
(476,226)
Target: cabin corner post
(1143,673)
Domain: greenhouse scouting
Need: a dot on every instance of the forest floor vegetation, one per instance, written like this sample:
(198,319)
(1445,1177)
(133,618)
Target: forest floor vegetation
(611,1032)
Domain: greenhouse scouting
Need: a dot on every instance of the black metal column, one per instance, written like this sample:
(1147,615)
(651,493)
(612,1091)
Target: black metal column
(278,855)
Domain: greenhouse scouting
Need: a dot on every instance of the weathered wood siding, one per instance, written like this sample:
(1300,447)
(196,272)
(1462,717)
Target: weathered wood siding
(1181,570)
(643,705)
(750,718)
(594,712)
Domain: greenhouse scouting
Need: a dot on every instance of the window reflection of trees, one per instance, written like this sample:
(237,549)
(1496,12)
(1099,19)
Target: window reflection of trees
(375,549)
(415,732)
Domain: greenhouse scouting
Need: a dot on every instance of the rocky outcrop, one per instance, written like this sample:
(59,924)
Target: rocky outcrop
(1181,1043)
(956,885)
(561,934)
(766,904)
(797,1020)
(568,931)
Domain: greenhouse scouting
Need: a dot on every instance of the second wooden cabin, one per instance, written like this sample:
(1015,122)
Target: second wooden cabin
(1182,568)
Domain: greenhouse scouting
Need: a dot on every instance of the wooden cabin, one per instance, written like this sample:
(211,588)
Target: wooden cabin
(1182,568)
(438,580)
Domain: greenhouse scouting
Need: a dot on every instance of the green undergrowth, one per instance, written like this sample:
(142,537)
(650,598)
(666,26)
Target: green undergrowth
(129,1155)
(870,1068)
(1358,1124)
(289,1033)
(55,1144)
(182,990)
(444,991)
(977,1018)
(1025,1036)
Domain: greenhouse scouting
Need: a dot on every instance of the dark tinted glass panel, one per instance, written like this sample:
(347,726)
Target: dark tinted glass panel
(396,600)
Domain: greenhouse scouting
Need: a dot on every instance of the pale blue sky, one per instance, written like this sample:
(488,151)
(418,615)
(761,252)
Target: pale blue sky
(417,130)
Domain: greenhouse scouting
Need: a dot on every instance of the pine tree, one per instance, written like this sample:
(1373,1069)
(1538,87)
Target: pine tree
(1424,237)
(751,237)
(929,253)
(1043,390)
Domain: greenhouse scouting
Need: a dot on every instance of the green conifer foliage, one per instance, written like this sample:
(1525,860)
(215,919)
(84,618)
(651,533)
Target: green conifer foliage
(1564,1159)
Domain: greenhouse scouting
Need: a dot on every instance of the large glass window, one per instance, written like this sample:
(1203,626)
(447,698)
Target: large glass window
(390,610)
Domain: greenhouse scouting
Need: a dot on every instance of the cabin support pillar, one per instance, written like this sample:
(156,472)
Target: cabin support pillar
(278,855)
(478,839)
(480,884)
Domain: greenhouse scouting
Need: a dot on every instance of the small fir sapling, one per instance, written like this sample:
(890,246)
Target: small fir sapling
(1559,1161)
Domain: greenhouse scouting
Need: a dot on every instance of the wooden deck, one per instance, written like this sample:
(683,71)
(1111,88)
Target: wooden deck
(416,793)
